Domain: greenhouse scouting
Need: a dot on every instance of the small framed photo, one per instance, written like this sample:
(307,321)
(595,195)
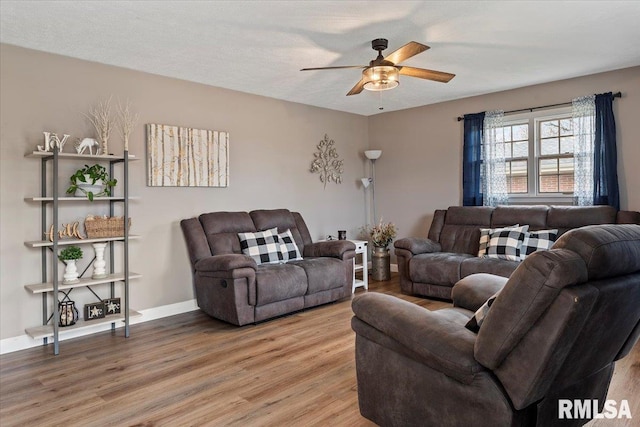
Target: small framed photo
(94,311)
(111,306)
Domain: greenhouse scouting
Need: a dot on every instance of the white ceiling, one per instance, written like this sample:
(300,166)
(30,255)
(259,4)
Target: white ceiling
(259,46)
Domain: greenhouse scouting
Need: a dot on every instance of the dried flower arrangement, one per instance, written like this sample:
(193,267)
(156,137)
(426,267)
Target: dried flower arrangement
(382,234)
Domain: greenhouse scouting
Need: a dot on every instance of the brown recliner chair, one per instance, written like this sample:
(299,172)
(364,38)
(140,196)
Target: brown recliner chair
(554,332)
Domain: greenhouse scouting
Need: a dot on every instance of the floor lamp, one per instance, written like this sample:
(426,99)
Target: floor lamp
(372,155)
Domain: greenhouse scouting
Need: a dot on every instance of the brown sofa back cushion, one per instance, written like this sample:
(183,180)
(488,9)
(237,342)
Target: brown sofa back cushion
(284,220)
(533,216)
(565,218)
(461,230)
(222,228)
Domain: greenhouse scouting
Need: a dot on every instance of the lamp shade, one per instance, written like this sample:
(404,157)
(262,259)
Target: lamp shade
(373,154)
(365,182)
(380,77)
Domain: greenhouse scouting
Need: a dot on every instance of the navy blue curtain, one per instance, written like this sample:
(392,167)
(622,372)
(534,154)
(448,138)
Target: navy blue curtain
(605,165)
(472,160)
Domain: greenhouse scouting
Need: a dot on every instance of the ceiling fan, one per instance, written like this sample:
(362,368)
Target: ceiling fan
(382,73)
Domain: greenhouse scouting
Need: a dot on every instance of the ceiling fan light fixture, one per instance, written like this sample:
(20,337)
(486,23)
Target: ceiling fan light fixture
(380,77)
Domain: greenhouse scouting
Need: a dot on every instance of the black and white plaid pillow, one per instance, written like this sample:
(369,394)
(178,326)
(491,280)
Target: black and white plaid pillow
(485,235)
(262,246)
(288,247)
(540,240)
(506,243)
(478,317)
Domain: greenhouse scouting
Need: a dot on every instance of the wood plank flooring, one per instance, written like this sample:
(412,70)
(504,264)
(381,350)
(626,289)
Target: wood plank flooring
(190,369)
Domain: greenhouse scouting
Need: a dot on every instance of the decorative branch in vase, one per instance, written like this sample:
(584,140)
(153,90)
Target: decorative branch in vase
(101,119)
(127,120)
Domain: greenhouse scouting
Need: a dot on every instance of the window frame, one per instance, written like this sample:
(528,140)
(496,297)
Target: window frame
(532,119)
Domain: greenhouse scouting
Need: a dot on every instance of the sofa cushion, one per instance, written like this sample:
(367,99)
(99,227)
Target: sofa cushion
(476,321)
(566,217)
(288,247)
(222,228)
(262,246)
(278,282)
(442,268)
(485,236)
(534,216)
(540,240)
(323,273)
(499,267)
(506,243)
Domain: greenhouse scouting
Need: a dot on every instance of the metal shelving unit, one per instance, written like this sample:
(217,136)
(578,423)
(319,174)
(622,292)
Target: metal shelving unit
(49,249)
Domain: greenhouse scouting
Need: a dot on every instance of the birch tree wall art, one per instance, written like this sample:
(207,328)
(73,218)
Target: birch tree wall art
(185,157)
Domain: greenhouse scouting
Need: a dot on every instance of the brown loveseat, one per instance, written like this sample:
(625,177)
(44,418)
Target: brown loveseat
(232,287)
(430,267)
(555,331)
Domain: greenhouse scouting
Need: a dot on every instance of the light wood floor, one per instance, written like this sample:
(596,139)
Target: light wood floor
(190,369)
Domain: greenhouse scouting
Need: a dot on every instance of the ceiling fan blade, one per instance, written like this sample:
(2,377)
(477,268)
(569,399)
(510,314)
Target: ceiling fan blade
(405,52)
(334,68)
(357,88)
(423,73)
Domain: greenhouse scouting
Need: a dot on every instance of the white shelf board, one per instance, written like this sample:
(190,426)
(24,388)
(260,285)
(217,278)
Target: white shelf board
(66,242)
(40,154)
(78,199)
(46,331)
(38,288)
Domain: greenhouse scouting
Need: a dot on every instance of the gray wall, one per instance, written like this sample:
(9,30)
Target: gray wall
(420,169)
(271,145)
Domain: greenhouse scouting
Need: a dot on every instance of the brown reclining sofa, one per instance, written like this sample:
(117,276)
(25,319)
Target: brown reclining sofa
(430,267)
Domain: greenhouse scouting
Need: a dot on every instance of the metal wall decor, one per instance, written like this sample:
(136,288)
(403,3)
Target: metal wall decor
(185,157)
(326,162)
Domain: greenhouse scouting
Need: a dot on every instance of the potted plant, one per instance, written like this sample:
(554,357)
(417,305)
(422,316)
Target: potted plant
(382,234)
(69,256)
(91,181)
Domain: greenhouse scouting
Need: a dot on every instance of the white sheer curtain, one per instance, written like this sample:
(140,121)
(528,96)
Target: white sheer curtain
(584,117)
(494,176)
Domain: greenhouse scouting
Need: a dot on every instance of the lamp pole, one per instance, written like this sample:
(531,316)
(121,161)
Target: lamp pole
(373,189)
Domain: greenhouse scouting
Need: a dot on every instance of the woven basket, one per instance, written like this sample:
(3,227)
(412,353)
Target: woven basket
(98,227)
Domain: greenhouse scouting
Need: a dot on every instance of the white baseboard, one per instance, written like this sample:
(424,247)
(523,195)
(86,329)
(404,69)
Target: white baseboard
(22,342)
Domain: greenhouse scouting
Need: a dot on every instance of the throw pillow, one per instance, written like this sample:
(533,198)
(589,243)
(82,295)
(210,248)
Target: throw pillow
(288,247)
(484,238)
(262,246)
(478,317)
(540,240)
(506,243)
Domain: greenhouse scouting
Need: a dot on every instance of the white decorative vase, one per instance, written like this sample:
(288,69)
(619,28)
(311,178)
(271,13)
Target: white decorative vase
(86,187)
(70,272)
(99,264)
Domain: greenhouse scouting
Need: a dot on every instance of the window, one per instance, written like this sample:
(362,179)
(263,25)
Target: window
(539,149)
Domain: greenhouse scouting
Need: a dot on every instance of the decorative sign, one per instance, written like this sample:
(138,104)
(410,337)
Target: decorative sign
(68,230)
(111,305)
(185,157)
(51,141)
(94,310)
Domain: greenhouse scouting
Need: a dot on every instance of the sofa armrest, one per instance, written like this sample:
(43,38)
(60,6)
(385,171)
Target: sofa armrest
(628,217)
(417,245)
(436,341)
(475,289)
(342,249)
(225,262)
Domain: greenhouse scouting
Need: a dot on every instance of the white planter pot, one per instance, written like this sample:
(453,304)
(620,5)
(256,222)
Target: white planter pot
(84,188)
(70,272)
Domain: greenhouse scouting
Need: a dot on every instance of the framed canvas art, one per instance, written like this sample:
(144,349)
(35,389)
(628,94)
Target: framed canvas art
(185,157)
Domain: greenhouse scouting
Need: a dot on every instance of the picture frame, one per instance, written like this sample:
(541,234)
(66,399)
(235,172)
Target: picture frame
(112,306)
(94,310)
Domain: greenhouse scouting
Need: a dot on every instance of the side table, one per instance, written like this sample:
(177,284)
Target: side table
(361,248)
